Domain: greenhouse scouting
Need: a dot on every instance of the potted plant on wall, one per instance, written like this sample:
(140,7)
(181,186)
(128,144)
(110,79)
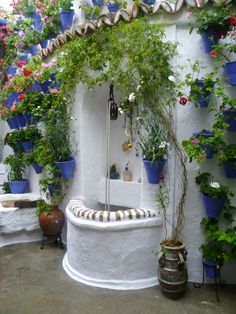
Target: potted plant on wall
(66,13)
(211,24)
(16,182)
(199,88)
(154,146)
(58,137)
(200,146)
(227,156)
(215,196)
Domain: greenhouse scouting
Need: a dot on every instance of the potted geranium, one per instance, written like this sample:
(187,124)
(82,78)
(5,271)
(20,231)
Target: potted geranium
(227,156)
(211,24)
(201,145)
(215,195)
(154,145)
(199,88)
(66,13)
(17,165)
(14,140)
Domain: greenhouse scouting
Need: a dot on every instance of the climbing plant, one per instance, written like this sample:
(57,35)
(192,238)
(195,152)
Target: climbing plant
(138,60)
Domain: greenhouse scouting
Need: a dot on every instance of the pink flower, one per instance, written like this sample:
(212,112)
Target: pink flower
(38,11)
(195,141)
(44,65)
(189,14)
(53,90)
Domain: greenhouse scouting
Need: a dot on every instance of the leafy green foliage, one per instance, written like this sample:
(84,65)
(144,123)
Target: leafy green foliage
(215,18)
(222,191)
(153,139)
(17,166)
(228,152)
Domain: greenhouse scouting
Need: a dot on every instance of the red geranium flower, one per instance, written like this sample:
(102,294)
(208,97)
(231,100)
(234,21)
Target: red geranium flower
(183,100)
(20,64)
(232,20)
(213,54)
(26,72)
(21,97)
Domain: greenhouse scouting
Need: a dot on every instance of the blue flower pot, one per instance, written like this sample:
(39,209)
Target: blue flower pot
(230,72)
(11,98)
(210,268)
(28,146)
(213,206)
(36,87)
(203,97)
(53,189)
(98,3)
(28,118)
(55,82)
(113,7)
(11,70)
(34,50)
(66,19)
(207,148)
(67,168)
(24,58)
(21,120)
(149,2)
(154,169)
(44,43)
(230,169)
(37,168)
(38,25)
(12,122)
(18,187)
(209,40)
(230,119)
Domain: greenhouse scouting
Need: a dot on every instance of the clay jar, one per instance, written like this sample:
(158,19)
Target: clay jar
(52,223)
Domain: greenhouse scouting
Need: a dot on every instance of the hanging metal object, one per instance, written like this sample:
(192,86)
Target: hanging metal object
(112,104)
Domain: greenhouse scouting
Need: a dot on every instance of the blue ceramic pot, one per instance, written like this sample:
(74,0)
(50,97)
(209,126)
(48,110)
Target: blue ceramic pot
(153,170)
(230,119)
(37,168)
(230,72)
(28,118)
(207,148)
(213,206)
(210,268)
(11,98)
(202,97)
(98,3)
(28,146)
(44,86)
(36,87)
(21,120)
(44,43)
(11,70)
(113,7)
(12,122)
(230,169)
(66,19)
(18,187)
(67,167)
(209,40)
(34,50)
(149,2)
(53,189)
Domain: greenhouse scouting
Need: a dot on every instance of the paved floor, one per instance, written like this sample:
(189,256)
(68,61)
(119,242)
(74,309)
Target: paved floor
(33,281)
